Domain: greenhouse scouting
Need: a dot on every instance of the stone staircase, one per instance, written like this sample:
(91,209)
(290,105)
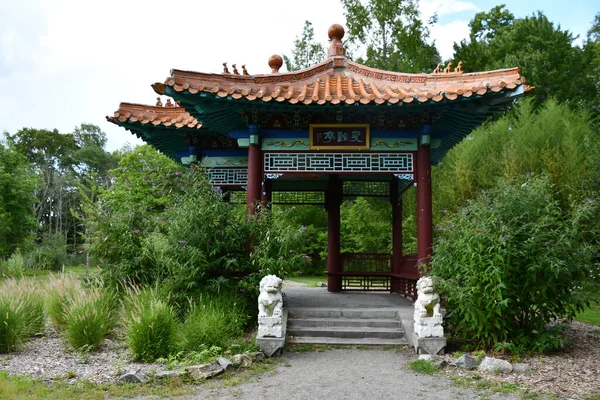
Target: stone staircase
(347,326)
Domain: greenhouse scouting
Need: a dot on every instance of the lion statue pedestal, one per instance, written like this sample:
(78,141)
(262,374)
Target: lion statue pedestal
(428,328)
(271,316)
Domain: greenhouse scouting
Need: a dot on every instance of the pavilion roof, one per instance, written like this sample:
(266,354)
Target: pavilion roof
(174,116)
(341,81)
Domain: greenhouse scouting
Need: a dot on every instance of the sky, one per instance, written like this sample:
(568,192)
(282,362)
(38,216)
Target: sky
(67,62)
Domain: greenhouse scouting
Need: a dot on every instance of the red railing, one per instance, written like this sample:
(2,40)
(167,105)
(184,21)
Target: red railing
(366,262)
(373,271)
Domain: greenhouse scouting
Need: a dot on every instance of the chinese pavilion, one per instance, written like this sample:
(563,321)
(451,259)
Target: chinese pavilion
(316,136)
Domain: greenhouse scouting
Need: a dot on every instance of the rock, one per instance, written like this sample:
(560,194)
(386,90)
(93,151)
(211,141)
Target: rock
(168,374)
(204,371)
(519,368)
(225,363)
(467,361)
(321,284)
(133,376)
(426,357)
(440,364)
(491,364)
(256,356)
(242,360)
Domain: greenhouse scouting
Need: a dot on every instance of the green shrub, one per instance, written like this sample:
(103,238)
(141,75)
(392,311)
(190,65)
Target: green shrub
(214,321)
(150,325)
(21,312)
(510,263)
(89,316)
(14,266)
(49,255)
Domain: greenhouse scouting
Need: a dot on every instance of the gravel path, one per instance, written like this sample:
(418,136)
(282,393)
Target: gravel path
(346,374)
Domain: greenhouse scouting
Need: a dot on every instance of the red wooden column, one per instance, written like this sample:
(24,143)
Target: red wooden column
(334,258)
(396,231)
(253,194)
(424,212)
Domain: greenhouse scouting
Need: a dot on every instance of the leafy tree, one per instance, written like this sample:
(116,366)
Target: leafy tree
(394,35)
(17,185)
(544,52)
(485,26)
(306,51)
(590,92)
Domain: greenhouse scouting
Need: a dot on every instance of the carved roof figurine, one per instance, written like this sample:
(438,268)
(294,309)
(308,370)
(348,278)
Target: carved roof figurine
(169,103)
(448,68)
(235,70)
(458,68)
(244,71)
(158,102)
(438,69)
(225,69)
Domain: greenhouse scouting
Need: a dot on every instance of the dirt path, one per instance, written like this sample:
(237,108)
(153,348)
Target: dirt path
(346,374)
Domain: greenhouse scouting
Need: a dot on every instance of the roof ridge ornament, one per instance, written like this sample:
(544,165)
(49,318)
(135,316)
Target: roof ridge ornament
(336,33)
(275,62)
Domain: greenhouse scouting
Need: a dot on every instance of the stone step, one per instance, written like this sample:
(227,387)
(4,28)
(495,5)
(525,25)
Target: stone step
(334,341)
(355,313)
(346,332)
(348,322)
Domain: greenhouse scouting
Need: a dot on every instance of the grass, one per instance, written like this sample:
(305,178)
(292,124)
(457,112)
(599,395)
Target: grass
(22,387)
(590,316)
(422,367)
(309,280)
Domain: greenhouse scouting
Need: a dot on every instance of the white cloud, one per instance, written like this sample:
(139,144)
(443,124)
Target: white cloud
(445,7)
(445,35)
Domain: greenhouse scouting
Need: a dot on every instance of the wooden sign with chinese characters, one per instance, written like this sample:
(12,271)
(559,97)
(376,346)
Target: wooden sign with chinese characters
(339,136)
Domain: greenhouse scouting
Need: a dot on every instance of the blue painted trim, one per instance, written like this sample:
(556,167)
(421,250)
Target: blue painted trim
(224,153)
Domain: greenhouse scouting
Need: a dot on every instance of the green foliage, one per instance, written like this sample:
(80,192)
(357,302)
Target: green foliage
(59,292)
(394,35)
(21,312)
(17,185)
(150,325)
(48,255)
(509,263)
(422,366)
(543,52)
(551,139)
(14,266)
(89,317)
(366,225)
(215,321)
(306,51)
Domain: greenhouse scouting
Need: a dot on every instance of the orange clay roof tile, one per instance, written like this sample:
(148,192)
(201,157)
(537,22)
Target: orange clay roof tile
(166,116)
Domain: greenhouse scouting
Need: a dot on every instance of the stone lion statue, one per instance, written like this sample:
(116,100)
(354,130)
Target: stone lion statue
(428,302)
(270,303)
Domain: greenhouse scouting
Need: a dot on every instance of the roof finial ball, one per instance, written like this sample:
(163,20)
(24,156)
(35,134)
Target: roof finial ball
(336,33)
(275,62)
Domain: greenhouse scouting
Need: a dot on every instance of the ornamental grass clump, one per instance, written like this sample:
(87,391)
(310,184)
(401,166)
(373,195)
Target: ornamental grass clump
(21,312)
(215,321)
(150,325)
(510,263)
(59,291)
(84,315)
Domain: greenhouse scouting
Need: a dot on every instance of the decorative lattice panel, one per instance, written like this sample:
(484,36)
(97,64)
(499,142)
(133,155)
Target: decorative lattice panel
(367,283)
(228,176)
(298,198)
(338,162)
(366,262)
(364,188)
